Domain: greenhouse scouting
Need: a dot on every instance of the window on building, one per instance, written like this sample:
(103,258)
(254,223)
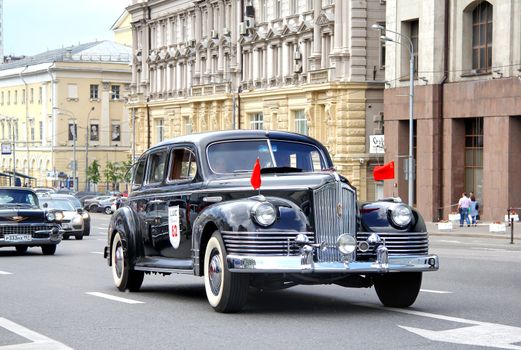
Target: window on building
(94,92)
(115,92)
(160,130)
(381,55)
(257,121)
(32,131)
(482,37)
(40,125)
(264,10)
(32,96)
(73,129)
(94,132)
(40,94)
(72,91)
(278,8)
(23,96)
(301,123)
(8,97)
(413,32)
(15,96)
(16,130)
(2,98)
(474,156)
(116,133)
(187,125)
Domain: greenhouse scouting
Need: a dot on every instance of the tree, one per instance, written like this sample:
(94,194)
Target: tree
(111,173)
(93,174)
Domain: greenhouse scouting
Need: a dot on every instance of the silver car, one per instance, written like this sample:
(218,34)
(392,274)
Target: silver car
(72,223)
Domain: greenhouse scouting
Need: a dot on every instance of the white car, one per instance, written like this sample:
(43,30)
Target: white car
(72,223)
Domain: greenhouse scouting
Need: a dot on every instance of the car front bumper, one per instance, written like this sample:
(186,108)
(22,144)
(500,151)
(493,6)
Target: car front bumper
(52,235)
(295,264)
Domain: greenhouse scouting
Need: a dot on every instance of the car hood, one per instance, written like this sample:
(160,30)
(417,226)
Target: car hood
(24,215)
(275,181)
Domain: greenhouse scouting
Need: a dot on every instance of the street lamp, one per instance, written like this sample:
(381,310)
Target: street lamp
(87,184)
(62,110)
(410,163)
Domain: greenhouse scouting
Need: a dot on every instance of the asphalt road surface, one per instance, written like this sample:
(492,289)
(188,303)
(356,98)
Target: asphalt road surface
(69,301)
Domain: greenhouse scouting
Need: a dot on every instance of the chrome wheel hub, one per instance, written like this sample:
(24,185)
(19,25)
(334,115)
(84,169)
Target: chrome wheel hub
(215,274)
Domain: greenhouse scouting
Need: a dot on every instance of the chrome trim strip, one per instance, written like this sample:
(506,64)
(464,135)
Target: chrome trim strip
(294,264)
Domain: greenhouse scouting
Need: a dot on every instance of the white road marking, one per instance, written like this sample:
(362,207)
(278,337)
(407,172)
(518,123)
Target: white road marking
(435,291)
(489,249)
(97,253)
(480,334)
(38,341)
(111,297)
(5,273)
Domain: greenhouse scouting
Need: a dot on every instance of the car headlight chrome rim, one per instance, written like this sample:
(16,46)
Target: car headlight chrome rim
(50,216)
(346,244)
(401,215)
(264,213)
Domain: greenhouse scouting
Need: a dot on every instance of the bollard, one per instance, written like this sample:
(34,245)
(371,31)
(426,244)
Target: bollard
(512,231)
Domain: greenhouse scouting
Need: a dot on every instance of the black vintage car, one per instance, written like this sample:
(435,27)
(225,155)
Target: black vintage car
(23,224)
(193,210)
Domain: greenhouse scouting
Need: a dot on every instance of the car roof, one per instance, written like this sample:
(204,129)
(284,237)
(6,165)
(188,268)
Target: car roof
(17,189)
(205,138)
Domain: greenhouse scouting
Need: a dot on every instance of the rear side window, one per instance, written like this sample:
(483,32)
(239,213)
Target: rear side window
(138,174)
(183,165)
(156,168)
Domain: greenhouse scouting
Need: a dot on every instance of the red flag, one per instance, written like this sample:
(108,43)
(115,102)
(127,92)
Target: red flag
(384,172)
(256,176)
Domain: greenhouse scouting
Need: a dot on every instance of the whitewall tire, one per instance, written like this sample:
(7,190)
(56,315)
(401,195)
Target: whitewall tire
(124,277)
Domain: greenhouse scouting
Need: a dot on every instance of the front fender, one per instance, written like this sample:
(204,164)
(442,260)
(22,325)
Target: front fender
(374,217)
(125,221)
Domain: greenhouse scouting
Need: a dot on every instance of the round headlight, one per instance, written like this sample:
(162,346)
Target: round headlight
(76,220)
(51,216)
(264,213)
(346,243)
(401,215)
(59,216)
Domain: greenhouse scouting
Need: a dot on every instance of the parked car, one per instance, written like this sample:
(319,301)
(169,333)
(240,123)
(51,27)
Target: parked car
(23,224)
(94,204)
(72,223)
(82,197)
(114,205)
(44,190)
(193,209)
(79,208)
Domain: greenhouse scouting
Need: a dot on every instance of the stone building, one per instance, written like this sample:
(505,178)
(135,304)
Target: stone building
(65,105)
(307,66)
(467,115)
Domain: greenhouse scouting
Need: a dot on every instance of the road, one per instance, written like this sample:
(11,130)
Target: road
(63,301)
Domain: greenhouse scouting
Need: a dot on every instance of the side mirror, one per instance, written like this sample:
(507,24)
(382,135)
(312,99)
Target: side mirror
(45,205)
(79,211)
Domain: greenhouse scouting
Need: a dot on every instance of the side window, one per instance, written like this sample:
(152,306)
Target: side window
(183,165)
(138,174)
(156,167)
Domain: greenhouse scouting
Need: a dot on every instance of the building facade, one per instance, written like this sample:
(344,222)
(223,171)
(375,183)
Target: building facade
(308,66)
(65,107)
(467,113)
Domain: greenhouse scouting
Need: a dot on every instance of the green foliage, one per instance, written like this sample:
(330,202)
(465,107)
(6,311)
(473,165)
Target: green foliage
(115,172)
(93,172)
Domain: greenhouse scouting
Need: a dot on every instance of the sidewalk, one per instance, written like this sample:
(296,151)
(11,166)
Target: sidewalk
(482,230)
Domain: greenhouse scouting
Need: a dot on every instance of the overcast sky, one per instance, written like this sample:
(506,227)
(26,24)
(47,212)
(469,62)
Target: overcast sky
(34,26)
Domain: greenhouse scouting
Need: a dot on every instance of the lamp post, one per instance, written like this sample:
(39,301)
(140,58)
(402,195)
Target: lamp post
(61,110)
(87,184)
(410,163)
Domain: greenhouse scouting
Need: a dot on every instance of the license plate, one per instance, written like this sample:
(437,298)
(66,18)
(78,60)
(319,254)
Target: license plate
(17,238)
(66,226)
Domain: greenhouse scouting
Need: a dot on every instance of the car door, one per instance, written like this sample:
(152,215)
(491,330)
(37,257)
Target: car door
(173,203)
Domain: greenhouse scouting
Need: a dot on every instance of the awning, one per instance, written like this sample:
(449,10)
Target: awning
(10,173)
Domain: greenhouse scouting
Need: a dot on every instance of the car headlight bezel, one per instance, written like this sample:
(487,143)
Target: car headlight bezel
(401,215)
(264,213)
(50,216)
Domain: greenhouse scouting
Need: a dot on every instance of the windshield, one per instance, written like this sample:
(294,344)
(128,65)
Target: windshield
(60,204)
(17,197)
(240,156)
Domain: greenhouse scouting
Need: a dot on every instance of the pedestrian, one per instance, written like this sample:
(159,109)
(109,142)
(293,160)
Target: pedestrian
(473,209)
(119,201)
(463,207)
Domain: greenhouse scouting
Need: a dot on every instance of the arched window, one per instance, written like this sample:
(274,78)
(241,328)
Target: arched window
(482,37)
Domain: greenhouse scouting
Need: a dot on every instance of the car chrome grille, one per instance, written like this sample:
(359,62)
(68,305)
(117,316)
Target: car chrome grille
(264,243)
(400,243)
(24,229)
(334,214)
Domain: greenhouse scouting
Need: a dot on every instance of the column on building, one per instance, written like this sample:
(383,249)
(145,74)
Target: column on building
(339,28)
(198,36)
(317,42)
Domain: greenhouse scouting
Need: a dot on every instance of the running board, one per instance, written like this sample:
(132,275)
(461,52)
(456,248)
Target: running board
(165,265)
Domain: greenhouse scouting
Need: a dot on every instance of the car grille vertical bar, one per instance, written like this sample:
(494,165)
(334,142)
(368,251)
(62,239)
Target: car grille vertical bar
(330,200)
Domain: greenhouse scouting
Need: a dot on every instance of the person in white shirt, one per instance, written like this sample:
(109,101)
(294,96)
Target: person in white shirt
(463,207)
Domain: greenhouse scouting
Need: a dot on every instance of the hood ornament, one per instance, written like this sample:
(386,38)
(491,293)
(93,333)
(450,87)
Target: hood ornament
(18,218)
(339,209)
